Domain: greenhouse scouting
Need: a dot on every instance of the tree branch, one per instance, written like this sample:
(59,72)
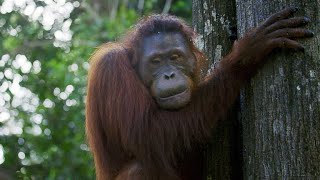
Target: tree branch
(167,7)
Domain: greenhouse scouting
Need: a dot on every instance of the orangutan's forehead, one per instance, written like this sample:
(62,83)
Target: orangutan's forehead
(163,41)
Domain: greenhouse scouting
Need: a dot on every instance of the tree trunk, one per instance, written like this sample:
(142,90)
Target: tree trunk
(213,20)
(280,108)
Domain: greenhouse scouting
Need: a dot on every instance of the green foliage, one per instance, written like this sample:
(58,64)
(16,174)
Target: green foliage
(44,136)
(10,43)
(127,17)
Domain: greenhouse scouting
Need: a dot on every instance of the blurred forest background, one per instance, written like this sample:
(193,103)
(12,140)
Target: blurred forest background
(44,50)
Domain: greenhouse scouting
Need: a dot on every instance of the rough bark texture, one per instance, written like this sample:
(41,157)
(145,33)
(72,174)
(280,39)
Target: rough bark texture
(280,109)
(213,20)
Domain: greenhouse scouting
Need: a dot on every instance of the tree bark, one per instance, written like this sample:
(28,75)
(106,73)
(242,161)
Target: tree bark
(280,109)
(213,20)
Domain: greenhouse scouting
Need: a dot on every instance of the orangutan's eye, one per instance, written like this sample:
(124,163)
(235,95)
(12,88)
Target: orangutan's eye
(174,57)
(155,61)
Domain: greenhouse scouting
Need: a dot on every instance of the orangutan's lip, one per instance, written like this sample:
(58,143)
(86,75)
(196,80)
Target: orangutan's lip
(182,94)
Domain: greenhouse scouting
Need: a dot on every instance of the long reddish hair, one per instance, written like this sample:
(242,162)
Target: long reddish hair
(123,122)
